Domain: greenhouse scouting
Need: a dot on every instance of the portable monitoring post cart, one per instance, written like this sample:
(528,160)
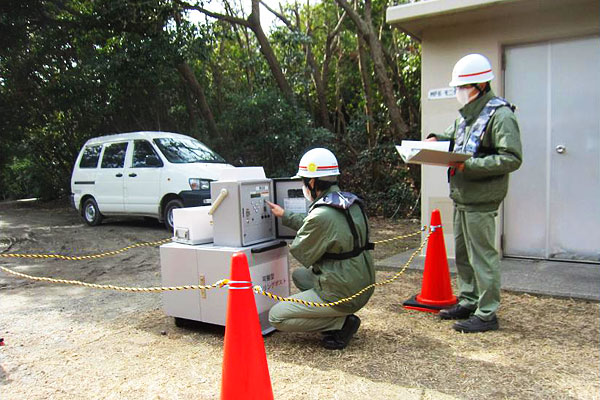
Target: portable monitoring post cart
(241,222)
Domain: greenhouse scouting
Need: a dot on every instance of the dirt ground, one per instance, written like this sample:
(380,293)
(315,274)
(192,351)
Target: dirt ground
(69,342)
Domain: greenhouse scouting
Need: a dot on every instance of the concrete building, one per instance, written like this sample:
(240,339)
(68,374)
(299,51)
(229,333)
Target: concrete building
(546,58)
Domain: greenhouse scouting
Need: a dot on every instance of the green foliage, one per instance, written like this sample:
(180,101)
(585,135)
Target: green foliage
(64,82)
(74,69)
(18,178)
(264,129)
(385,183)
(389,186)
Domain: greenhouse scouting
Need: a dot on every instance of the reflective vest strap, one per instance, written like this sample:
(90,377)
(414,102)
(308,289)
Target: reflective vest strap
(357,250)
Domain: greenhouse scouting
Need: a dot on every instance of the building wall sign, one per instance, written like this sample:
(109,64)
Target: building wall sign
(442,93)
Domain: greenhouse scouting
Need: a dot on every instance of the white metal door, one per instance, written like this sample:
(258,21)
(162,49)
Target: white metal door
(109,179)
(142,180)
(552,210)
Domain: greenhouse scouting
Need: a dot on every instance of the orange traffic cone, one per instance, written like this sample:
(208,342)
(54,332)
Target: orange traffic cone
(436,292)
(245,369)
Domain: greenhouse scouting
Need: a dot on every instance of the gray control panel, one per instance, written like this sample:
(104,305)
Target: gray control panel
(257,220)
(243,218)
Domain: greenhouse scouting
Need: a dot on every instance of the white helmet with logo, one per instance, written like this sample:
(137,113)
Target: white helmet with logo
(471,69)
(318,163)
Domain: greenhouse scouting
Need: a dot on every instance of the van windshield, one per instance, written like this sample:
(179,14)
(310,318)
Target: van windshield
(182,151)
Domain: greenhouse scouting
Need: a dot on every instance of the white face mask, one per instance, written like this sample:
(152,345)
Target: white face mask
(306,192)
(463,95)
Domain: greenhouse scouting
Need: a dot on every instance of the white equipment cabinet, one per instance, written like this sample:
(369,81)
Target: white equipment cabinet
(183,264)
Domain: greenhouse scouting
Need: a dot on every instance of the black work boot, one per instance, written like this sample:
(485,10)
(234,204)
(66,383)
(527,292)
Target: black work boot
(455,312)
(476,324)
(330,333)
(340,339)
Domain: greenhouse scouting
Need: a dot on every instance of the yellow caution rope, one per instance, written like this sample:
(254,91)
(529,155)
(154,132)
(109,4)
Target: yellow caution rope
(219,284)
(401,237)
(87,257)
(272,296)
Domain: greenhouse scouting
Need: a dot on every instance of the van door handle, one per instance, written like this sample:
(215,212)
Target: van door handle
(133,175)
(119,175)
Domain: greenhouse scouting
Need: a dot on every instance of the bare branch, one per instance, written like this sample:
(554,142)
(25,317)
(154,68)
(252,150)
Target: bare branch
(337,28)
(222,17)
(358,21)
(278,15)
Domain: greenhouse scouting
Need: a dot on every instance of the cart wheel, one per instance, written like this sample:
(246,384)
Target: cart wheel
(181,322)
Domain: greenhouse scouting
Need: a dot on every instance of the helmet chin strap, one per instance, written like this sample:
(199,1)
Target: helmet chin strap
(480,91)
(313,191)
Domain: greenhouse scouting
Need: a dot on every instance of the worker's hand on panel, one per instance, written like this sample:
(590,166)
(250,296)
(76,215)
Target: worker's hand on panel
(276,210)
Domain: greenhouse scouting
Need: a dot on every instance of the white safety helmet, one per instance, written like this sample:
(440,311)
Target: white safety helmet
(318,163)
(471,69)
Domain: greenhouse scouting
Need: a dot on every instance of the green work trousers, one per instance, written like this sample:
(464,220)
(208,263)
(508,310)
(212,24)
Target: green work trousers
(296,317)
(477,261)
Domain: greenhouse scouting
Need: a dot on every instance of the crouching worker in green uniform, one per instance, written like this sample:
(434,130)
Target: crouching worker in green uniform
(488,130)
(332,242)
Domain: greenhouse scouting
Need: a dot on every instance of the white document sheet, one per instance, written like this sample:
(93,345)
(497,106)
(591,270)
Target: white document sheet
(431,153)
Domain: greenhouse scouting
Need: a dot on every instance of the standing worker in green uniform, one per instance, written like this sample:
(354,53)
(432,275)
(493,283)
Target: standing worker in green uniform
(332,242)
(488,130)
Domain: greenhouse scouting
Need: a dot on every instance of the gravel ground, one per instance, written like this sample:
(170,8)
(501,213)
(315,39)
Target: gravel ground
(69,342)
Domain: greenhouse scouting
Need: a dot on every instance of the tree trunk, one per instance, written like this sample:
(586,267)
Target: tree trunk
(253,23)
(191,109)
(319,88)
(267,51)
(189,76)
(365,28)
(249,69)
(320,75)
(409,107)
(366,81)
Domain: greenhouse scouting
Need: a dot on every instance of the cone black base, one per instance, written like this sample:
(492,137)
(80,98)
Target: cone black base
(413,304)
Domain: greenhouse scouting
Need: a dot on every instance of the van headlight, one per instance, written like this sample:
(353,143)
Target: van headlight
(199,184)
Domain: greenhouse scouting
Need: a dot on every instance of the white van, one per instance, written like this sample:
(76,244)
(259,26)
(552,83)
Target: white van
(142,174)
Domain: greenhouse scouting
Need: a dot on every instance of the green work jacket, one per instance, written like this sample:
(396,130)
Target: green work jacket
(325,230)
(484,182)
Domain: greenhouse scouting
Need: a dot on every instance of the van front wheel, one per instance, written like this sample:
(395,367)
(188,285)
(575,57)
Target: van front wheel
(91,212)
(168,212)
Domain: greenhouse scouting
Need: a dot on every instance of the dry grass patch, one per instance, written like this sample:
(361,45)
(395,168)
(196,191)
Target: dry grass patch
(73,343)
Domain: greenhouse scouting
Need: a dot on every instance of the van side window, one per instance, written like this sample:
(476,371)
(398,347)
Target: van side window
(114,155)
(144,155)
(90,157)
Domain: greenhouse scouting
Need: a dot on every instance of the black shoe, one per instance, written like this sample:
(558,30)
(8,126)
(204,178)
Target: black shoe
(455,312)
(476,324)
(330,333)
(340,339)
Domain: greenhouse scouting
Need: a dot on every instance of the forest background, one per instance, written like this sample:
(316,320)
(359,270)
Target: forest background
(327,73)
